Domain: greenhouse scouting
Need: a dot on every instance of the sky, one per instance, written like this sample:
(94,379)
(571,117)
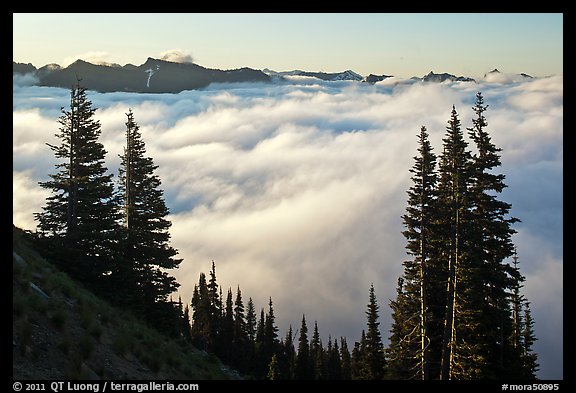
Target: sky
(296,189)
(399,44)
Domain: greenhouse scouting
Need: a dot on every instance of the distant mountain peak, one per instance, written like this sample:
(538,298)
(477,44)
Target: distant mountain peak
(376,78)
(326,76)
(80,62)
(433,77)
(495,73)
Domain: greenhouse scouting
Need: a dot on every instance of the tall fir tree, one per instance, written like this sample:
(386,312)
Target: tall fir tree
(489,246)
(411,345)
(146,249)
(454,178)
(79,224)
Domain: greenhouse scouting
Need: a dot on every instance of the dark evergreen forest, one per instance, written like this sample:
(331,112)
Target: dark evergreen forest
(459,311)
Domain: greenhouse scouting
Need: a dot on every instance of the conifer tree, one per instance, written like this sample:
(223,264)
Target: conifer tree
(261,353)
(358,363)
(251,324)
(529,357)
(454,171)
(289,354)
(345,359)
(374,355)
(317,353)
(457,312)
(239,318)
(270,328)
(147,254)
(303,367)
(517,301)
(80,219)
(186,328)
(201,317)
(251,321)
(489,247)
(404,347)
(267,340)
(216,311)
(225,350)
(260,327)
(333,362)
(411,343)
(273,370)
(240,342)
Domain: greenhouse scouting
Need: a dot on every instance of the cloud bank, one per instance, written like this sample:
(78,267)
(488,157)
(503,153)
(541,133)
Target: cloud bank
(296,189)
(176,56)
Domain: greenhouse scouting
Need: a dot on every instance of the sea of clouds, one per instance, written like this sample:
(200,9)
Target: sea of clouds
(296,189)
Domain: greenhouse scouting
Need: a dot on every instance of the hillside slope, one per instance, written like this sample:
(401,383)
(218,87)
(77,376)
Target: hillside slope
(62,331)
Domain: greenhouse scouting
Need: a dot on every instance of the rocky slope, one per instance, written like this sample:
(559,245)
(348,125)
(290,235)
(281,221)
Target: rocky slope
(62,331)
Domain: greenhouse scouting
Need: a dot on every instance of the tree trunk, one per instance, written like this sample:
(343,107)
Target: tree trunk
(449,337)
(423,305)
(448,322)
(72,171)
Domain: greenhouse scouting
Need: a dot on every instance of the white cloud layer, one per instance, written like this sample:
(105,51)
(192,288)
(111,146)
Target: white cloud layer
(176,56)
(296,189)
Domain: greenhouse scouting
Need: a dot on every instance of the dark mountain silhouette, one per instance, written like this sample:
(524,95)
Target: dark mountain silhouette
(154,76)
(23,68)
(496,71)
(432,77)
(161,76)
(376,78)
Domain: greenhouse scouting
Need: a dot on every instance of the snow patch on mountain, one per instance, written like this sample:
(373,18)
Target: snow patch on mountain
(150,72)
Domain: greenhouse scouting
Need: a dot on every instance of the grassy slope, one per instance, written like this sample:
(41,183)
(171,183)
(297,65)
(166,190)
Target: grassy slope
(72,334)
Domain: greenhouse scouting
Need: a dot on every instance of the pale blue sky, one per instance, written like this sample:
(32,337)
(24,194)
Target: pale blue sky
(395,44)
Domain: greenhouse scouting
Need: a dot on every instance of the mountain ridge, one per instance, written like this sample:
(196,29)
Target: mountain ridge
(163,76)
(153,76)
